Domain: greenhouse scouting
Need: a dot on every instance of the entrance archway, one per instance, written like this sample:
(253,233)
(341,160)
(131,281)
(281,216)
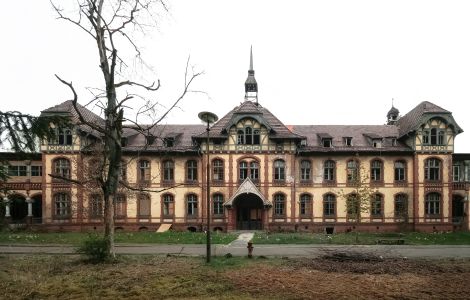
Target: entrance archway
(249,211)
(18,208)
(457,209)
(37,209)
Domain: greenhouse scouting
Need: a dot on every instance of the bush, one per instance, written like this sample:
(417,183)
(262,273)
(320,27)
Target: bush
(95,248)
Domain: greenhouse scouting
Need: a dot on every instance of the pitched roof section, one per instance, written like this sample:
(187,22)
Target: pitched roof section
(249,109)
(358,133)
(67,108)
(415,117)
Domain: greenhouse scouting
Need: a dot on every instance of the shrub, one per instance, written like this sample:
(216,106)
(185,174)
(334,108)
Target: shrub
(95,248)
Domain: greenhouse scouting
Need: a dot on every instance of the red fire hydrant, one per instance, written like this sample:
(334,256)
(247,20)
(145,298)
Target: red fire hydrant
(250,249)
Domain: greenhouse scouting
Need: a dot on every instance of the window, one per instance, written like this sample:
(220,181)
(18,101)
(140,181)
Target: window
(347,141)
(329,205)
(217,169)
(62,167)
(352,171)
(243,170)
(120,207)
(329,170)
(17,171)
(400,170)
(218,205)
(96,206)
(150,139)
(305,205)
(63,137)
(191,206)
(432,169)
(254,171)
(191,166)
(377,143)
(248,136)
(279,204)
(434,136)
(327,143)
(376,206)
(305,170)
(123,171)
(169,142)
(144,205)
(36,170)
(401,205)
(168,170)
(62,205)
(456,173)
(168,205)
(144,170)
(279,170)
(433,204)
(376,170)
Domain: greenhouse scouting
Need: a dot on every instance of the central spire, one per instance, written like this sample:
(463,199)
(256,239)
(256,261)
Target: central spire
(251,86)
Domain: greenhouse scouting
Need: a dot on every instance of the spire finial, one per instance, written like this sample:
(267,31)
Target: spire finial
(392,102)
(251,57)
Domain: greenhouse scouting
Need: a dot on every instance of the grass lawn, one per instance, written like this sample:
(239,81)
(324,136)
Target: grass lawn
(158,277)
(173,237)
(411,238)
(75,238)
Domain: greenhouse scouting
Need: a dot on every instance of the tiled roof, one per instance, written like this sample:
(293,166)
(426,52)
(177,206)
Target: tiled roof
(358,133)
(411,121)
(248,108)
(88,115)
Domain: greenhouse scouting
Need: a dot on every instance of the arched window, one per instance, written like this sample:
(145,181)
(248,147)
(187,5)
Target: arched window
(432,206)
(279,204)
(168,170)
(217,170)
(62,205)
(352,171)
(279,170)
(401,205)
(248,135)
(191,206)
(329,205)
(305,205)
(376,206)
(144,170)
(120,206)
(376,170)
(96,206)
(329,170)
(432,169)
(62,167)
(305,170)
(144,205)
(400,170)
(254,170)
(243,170)
(191,170)
(218,204)
(168,205)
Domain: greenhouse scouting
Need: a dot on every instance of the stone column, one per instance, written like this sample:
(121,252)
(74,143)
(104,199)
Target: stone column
(6,201)
(30,201)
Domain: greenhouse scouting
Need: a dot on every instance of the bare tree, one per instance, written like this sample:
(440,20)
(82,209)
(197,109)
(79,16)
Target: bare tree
(112,25)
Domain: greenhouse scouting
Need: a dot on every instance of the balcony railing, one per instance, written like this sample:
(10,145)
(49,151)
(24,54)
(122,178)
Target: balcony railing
(461,185)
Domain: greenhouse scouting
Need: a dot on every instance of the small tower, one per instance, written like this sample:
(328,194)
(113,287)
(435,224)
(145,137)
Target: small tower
(392,115)
(251,86)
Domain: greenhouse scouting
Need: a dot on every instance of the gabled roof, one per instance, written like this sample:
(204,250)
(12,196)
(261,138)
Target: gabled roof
(247,187)
(249,109)
(420,114)
(68,109)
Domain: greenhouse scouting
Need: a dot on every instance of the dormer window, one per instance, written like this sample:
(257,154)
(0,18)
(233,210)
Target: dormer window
(248,136)
(377,143)
(434,136)
(169,142)
(394,142)
(327,142)
(124,142)
(347,141)
(150,139)
(63,137)
(303,143)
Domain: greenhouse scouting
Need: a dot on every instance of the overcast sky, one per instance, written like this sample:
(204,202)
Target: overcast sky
(316,62)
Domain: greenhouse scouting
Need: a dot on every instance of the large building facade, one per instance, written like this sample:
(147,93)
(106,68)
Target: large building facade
(263,174)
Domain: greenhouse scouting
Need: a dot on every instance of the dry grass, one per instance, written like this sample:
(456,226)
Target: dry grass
(157,277)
